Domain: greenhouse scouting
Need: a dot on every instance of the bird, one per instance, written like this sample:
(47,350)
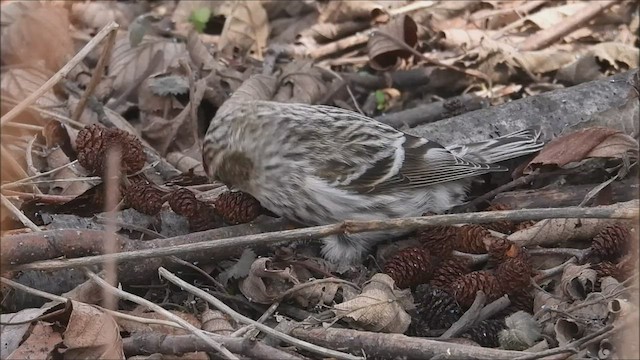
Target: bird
(319,165)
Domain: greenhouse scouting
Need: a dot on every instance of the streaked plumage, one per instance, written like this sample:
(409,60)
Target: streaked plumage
(320,164)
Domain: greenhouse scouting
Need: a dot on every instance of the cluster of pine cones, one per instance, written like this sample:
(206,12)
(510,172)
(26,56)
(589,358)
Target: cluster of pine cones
(95,142)
(445,285)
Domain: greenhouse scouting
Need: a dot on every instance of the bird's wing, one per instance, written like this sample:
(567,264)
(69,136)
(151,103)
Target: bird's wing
(371,157)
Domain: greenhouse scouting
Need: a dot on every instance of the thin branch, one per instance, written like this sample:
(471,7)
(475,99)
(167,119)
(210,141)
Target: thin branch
(245,320)
(468,319)
(17,213)
(169,315)
(626,211)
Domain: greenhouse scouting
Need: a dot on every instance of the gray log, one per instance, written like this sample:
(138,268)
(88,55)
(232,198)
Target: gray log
(552,111)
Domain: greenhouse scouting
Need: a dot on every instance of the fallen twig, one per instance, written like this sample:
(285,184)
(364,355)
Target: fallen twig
(223,246)
(245,320)
(468,319)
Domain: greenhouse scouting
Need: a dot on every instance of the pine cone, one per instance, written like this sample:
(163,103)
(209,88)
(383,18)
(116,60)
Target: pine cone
(500,249)
(486,332)
(143,197)
(94,142)
(435,309)
(611,242)
(522,299)
(504,226)
(470,239)
(409,267)
(465,287)
(439,240)
(448,271)
(514,273)
(620,270)
(204,218)
(237,207)
(183,202)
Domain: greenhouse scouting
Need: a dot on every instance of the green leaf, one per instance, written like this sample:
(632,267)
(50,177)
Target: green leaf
(381,100)
(199,18)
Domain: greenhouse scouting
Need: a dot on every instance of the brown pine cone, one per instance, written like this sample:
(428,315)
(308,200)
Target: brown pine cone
(143,197)
(504,226)
(514,273)
(204,218)
(620,270)
(470,239)
(448,271)
(409,267)
(435,309)
(486,332)
(500,249)
(237,207)
(183,202)
(522,299)
(94,142)
(611,242)
(465,287)
(439,240)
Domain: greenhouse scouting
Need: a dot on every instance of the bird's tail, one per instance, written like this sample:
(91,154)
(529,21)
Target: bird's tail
(506,147)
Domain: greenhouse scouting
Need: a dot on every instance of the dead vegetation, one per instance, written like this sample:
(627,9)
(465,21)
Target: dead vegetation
(108,216)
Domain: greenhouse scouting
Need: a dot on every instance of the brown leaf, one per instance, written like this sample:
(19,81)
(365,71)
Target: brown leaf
(217,322)
(97,14)
(582,144)
(554,232)
(92,334)
(39,35)
(380,307)
(13,335)
(301,82)
(257,87)
(130,66)
(578,281)
(264,285)
(345,10)
(245,29)
(41,343)
(386,54)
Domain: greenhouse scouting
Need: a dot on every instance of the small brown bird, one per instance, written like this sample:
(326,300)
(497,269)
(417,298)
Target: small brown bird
(320,165)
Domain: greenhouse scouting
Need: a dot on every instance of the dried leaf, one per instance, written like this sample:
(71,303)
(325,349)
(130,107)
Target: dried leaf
(18,83)
(92,334)
(386,54)
(380,307)
(257,87)
(217,322)
(582,144)
(555,232)
(265,285)
(301,82)
(245,29)
(97,14)
(41,343)
(13,335)
(323,293)
(578,281)
(129,64)
(343,10)
(40,35)
(240,269)
(567,330)
(200,55)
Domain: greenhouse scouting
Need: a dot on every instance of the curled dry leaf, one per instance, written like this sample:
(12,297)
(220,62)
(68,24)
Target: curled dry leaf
(345,10)
(587,143)
(92,334)
(567,330)
(592,309)
(12,336)
(379,307)
(265,285)
(386,54)
(554,232)
(319,293)
(578,281)
(321,33)
(245,29)
(301,82)
(130,65)
(257,87)
(200,55)
(39,35)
